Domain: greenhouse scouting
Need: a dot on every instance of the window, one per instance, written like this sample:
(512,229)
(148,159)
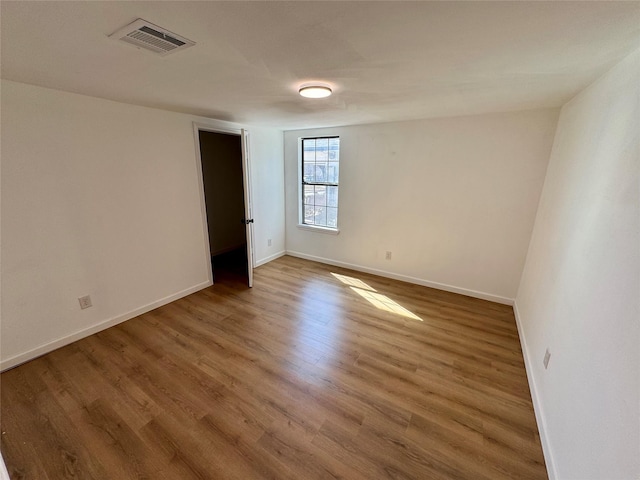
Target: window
(320,172)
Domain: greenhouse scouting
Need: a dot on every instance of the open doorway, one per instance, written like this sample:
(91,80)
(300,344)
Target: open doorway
(223,177)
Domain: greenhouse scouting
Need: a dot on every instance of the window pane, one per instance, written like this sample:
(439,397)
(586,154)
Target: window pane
(322,149)
(308,195)
(333,172)
(309,170)
(332,217)
(309,150)
(308,214)
(320,195)
(332,196)
(334,149)
(321,172)
(320,216)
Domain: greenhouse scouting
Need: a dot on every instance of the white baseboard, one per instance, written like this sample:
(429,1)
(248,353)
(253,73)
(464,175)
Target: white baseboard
(270,258)
(537,405)
(66,340)
(406,278)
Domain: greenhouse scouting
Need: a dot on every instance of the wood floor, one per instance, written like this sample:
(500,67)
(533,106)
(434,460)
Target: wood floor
(315,373)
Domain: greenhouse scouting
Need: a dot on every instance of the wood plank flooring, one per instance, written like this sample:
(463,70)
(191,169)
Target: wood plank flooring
(315,373)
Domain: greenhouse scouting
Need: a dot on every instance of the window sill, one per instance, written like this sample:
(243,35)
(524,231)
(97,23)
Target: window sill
(313,228)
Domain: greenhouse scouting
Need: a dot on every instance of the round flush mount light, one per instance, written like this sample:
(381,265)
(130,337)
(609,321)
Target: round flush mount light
(315,91)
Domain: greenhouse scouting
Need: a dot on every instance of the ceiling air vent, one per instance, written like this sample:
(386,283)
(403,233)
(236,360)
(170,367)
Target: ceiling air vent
(146,35)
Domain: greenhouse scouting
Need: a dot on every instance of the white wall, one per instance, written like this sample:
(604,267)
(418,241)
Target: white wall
(453,199)
(103,198)
(267,171)
(580,290)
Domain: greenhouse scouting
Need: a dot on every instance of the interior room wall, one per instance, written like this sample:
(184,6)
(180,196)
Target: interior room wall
(453,199)
(580,290)
(266,161)
(101,198)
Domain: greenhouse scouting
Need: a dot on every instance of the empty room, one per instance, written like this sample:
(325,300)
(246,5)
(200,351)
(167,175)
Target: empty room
(320,240)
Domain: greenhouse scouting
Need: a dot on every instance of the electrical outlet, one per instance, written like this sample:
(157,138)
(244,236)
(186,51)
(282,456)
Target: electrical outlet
(547,356)
(85,302)
(268,242)
(387,256)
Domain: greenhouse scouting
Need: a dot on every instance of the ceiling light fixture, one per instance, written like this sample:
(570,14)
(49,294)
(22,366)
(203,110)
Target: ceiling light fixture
(315,91)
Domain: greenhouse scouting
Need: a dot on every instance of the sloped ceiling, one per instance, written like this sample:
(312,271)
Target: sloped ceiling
(387,61)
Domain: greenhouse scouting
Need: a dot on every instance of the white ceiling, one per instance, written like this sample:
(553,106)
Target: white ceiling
(387,61)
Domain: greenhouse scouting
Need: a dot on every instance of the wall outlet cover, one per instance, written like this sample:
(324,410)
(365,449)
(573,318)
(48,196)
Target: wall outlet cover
(85,302)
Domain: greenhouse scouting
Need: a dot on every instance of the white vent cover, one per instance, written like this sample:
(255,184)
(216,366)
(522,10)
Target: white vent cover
(146,35)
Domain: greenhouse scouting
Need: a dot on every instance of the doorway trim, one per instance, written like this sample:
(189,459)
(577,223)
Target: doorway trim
(197,128)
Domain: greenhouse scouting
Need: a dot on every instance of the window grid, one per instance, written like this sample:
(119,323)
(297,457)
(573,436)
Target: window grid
(320,177)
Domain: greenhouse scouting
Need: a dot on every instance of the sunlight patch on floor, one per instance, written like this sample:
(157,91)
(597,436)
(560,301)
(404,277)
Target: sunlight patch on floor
(376,299)
(354,282)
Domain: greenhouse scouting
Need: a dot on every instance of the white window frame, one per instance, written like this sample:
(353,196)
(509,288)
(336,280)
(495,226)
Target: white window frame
(301,225)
